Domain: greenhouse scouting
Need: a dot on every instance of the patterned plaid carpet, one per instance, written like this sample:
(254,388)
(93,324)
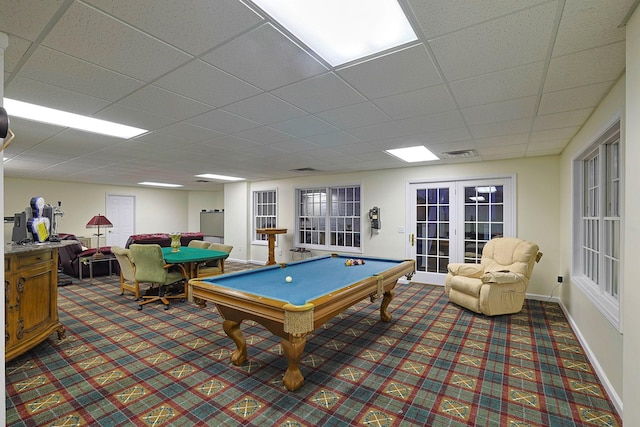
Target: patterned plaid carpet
(434,364)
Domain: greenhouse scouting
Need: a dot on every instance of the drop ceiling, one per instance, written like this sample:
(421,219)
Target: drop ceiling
(224,89)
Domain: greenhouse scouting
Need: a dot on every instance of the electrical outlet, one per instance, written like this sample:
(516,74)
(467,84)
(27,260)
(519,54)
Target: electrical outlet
(560,279)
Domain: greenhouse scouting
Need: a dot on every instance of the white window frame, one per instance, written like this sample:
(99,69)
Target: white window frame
(323,215)
(258,212)
(595,250)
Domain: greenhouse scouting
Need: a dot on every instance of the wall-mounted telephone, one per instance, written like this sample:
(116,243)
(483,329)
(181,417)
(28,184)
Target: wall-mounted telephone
(374,218)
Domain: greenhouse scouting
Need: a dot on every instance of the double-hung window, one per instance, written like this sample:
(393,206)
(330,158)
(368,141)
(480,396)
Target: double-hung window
(329,217)
(265,208)
(597,263)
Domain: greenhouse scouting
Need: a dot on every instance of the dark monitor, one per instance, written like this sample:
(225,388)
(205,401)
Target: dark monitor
(20,233)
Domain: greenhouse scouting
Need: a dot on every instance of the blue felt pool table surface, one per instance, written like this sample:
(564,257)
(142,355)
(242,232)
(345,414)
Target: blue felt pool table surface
(311,278)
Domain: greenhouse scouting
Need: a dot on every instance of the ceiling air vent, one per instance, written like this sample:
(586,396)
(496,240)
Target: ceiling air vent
(202,180)
(458,154)
(305,170)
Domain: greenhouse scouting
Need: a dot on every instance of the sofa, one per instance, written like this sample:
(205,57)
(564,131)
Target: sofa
(162,239)
(69,259)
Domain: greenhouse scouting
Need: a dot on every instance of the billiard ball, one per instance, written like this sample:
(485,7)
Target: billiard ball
(288,279)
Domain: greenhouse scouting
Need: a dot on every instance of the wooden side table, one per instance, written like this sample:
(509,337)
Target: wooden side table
(271,236)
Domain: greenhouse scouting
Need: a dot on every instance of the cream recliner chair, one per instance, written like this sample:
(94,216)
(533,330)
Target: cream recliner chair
(499,283)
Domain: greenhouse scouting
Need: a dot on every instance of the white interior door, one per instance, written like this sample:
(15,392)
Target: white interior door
(121,212)
(452,221)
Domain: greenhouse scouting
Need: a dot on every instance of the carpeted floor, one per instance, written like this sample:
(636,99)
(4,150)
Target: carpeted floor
(434,364)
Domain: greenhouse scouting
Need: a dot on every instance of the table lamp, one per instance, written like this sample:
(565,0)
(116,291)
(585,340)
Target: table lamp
(99,221)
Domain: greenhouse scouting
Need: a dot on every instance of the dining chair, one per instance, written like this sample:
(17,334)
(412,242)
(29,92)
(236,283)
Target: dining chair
(128,280)
(150,267)
(215,267)
(202,244)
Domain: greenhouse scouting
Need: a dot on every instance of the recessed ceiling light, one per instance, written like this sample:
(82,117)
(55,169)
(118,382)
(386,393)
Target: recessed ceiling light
(159,184)
(419,153)
(341,31)
(52,116)
(219,177)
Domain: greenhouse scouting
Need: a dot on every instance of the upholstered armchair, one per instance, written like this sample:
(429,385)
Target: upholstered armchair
(499,283)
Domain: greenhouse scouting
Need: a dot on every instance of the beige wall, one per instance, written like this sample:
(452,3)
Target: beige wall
(631,289)
(605,342)
(537,207)
(157,210)
(202,200)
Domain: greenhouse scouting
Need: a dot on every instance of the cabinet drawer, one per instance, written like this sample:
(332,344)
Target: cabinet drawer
(28,260)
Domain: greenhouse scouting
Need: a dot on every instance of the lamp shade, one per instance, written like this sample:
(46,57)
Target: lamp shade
(99,221)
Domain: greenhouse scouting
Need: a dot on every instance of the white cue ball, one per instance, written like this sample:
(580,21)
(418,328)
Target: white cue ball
(288,279)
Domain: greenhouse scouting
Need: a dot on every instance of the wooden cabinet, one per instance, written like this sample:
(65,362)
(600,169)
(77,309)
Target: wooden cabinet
(31,299)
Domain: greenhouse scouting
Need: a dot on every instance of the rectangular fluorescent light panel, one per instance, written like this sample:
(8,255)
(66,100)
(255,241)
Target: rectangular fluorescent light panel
(159,184)
(219,177)
(419,153)
(341,31)
(76,121)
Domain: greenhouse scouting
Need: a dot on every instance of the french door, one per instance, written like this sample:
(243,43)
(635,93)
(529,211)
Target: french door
(452,221)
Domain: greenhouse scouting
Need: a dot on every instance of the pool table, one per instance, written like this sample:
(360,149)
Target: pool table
(320,288)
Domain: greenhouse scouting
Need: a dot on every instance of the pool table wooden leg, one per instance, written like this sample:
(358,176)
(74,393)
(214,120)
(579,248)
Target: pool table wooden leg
(386,300)
(232,329)
(293,349)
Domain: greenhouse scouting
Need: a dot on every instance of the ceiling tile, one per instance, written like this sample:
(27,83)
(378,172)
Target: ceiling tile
(133,117)
(432,123)
(320,93)
(420,102)
(14,52)
(371,77)
(281,61)
(27,90)
(506,42)
(202,25)
(499,141)
(438,18)
(264,135)
(14,20)
(587,24)
(591,66)
(500,111)
(572,99)
(265,108)
(507,127)
(332,139)
(498,86)
(158,101)
(221,88)
(83,32)
(353,116)
(559,120)
(304,126)
(565,133)
(223,121)
(57,69)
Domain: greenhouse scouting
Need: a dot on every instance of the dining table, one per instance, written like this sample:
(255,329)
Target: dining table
(190,257)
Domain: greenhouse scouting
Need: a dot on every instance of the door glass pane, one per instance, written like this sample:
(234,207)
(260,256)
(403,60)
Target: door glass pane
(483,218)
(432,230)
